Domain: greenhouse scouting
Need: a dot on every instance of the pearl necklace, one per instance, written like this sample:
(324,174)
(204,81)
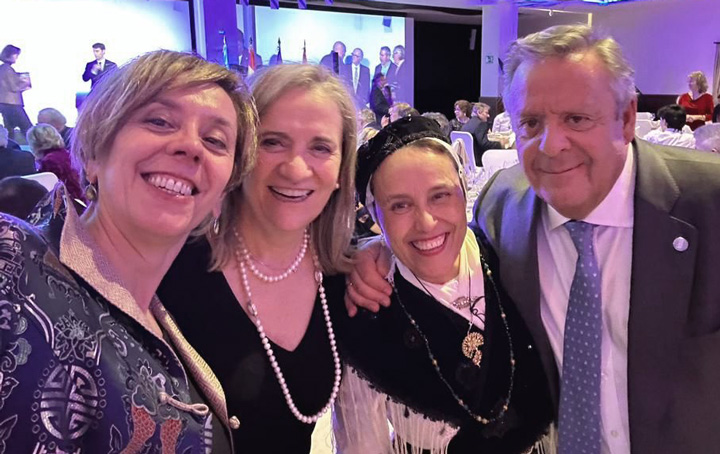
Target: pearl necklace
(264,277)
(252,309)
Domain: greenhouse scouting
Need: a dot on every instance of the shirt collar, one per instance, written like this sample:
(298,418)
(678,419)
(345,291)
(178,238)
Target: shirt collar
(616,209)
(80,253)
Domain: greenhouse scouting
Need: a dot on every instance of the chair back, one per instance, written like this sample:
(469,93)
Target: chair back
(47,179)
(643,127)
(494,160)
(467,140)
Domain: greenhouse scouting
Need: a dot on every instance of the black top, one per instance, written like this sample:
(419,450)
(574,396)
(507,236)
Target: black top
(213,322)
(389,352)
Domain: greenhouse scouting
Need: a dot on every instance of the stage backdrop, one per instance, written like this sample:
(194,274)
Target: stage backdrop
(56,37)
(320,29)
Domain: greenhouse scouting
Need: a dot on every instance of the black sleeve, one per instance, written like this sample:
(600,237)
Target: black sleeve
(88,75)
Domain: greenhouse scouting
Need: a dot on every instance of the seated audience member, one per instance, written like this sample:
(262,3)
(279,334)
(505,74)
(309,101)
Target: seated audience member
(463,112)
(366,134)
(18,196)
(672,119)
(478,126)
(707,138)
(400,110)
(502,123)
(54,118)
(49,149)
(442,120)
(366,118)
(13,161)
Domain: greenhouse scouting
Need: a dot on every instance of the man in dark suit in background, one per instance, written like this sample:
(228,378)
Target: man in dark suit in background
(608,246)
(400,79)
(387,67)
(98,68)
(14,162)
(337,54)
(478,126)
(359,75)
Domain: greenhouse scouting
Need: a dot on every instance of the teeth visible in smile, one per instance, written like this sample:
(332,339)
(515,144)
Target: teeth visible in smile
(432,243)
(170,184)
(291,192)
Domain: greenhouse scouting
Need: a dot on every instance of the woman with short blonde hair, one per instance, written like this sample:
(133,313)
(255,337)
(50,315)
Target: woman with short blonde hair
(95,362)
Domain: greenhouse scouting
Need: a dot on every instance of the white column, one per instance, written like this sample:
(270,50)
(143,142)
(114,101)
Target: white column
(499,29)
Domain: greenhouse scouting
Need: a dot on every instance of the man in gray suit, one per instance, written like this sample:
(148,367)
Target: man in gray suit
(608,247)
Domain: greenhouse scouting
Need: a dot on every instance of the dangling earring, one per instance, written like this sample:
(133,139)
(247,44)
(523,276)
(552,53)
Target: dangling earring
(337,185)
(216,225)
(91,192)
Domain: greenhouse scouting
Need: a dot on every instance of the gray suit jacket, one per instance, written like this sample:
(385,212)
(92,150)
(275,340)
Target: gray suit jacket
(674,324)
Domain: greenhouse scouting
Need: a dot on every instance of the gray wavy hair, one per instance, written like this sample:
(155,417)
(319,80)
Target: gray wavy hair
(571,40)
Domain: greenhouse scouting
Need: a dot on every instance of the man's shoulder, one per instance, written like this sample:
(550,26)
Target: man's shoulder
(689,169)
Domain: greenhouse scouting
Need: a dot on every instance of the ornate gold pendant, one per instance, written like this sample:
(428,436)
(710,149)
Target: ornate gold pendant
(471,347)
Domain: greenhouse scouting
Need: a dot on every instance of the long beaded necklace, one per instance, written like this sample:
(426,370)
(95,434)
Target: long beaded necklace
(436,365)
(242,260)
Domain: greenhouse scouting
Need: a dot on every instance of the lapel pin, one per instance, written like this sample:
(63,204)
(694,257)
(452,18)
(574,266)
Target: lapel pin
(680,244)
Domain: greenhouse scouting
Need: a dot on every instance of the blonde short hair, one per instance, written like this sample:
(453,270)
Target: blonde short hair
(332,230)
(565,41)
(43,137)
(700,80)
(123,91)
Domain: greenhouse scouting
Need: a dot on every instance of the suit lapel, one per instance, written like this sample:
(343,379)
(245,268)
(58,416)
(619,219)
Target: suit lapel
(519,272)
(661,289)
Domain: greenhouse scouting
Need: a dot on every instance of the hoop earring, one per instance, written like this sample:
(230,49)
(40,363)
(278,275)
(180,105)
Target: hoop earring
(216,226)
(91,193)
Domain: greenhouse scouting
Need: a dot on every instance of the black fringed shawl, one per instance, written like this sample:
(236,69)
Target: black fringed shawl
(389,353)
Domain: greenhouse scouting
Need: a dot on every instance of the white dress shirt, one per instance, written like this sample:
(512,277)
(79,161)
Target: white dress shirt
(671,137)
(355,76)
(557,257)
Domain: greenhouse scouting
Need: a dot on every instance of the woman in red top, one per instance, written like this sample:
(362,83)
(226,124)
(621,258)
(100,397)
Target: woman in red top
(48,147)
(697,102)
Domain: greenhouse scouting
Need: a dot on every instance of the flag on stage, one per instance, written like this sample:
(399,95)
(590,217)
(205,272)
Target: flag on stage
(251,59)
(226,59)
(278,60)
(304,53)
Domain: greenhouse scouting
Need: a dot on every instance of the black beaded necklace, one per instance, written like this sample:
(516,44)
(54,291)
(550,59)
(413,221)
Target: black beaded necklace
(436,366)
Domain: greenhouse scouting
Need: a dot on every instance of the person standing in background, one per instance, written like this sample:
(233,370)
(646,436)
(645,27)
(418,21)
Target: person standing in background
(387,67)
(98,68)
(698,103)
(12,85)
(359,75)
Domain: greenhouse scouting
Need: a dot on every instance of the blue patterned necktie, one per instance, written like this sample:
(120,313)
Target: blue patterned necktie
(582,353)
